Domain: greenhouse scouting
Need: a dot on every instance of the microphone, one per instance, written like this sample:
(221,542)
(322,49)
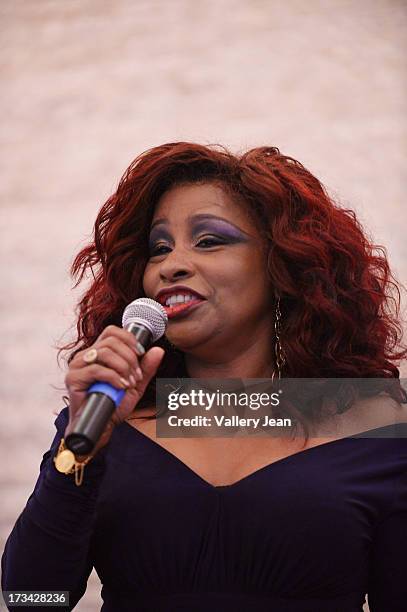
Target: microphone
(147,320)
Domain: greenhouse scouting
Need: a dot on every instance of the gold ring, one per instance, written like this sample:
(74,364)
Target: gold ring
(90,356)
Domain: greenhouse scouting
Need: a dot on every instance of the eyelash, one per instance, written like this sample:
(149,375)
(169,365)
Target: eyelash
(216,242)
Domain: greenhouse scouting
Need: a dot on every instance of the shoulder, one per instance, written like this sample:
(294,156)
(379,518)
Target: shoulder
(377,411)
(364,415)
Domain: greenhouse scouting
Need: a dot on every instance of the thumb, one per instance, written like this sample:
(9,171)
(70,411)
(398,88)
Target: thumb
(149,366)
(152,358)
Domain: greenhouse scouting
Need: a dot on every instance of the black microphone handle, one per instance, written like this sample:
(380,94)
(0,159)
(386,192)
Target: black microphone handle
(91,424)
(99,407)
(142,335)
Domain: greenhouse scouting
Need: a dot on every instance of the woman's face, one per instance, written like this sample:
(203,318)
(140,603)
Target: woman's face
(207,256)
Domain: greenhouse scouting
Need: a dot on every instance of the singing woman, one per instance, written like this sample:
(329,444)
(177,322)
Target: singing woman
(262,276)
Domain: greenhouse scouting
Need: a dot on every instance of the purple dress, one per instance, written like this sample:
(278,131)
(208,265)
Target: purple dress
(312,532)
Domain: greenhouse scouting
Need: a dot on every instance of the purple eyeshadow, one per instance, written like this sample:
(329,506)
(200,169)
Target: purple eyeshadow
(222,228)
(159,233)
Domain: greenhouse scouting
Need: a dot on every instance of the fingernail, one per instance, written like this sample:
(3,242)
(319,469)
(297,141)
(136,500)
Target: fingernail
(139,374)
(124,382)
(132,380)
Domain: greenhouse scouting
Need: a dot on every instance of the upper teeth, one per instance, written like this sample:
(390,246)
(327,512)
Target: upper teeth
(178,299)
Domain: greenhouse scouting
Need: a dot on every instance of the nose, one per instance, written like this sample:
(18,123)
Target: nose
(176,266)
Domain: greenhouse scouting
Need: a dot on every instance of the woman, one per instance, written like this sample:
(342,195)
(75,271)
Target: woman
(277,282)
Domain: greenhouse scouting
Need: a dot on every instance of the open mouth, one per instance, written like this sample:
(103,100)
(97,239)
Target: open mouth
(176,304)
(178,309)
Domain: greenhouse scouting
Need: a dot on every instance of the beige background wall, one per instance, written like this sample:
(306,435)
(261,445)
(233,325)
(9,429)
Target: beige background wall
(89,84)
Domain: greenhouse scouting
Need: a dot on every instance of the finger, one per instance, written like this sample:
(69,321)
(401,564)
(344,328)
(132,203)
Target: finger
(116,345)
(120,333)
(121,349)
(81,379)
(113,360)
(149,365)
(116,355)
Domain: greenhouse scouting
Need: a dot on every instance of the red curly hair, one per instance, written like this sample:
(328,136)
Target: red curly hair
(338,298)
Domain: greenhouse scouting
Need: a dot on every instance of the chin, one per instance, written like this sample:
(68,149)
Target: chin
(189,342)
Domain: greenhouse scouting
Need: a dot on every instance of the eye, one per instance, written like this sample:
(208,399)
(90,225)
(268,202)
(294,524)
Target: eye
(210,241)
(157,249)
(205,242)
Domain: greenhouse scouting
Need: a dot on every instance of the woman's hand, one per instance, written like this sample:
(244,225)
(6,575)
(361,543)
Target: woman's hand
(117,363)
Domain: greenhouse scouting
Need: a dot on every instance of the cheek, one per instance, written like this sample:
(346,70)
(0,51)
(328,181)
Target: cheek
(242,270)
(239,277)
(253,280)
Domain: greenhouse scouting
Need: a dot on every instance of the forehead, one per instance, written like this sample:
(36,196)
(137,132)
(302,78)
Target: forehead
(183,201)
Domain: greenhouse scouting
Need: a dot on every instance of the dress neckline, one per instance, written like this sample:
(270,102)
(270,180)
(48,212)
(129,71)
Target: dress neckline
(255,473)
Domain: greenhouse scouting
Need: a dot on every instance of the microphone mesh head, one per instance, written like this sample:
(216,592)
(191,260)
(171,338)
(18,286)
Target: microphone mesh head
(149,313)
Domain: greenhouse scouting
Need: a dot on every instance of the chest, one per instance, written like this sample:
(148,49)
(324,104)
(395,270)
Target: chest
(281,524)
(223,461)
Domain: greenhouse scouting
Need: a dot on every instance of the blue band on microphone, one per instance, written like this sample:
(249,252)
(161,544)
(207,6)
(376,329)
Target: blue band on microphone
(115,394)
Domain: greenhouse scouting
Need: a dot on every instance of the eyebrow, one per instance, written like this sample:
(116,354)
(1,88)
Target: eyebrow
(200,217)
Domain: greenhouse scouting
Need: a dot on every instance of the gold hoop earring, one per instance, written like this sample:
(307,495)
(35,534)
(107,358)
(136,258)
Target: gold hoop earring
(278,349)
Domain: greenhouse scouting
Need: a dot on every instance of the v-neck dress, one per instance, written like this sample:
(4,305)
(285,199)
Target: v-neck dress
(313,532)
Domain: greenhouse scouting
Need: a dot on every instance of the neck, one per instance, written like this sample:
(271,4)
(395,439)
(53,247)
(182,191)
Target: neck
(250,363)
